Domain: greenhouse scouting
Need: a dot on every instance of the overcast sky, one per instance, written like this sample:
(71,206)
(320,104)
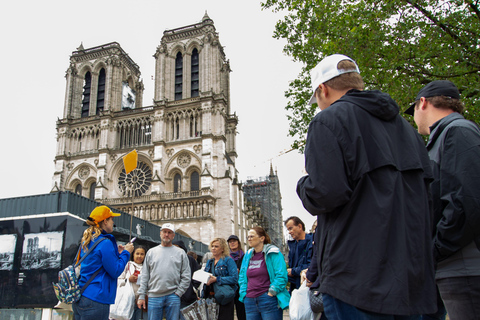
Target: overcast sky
(38,38)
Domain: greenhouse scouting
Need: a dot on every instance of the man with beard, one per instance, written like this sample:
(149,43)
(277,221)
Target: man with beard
(166,275)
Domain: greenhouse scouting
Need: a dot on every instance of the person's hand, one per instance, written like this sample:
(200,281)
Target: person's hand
(133,278)
(129,247)
(309,283)
(141,304)
(211,280)
(269,294)
(289,270)
(303,275)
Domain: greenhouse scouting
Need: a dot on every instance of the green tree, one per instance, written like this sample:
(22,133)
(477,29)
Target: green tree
(399,46)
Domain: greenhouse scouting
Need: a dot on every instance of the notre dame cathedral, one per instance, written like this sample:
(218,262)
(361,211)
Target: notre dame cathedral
(186,140)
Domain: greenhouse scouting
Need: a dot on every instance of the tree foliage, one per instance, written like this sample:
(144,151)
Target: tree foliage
(399,46)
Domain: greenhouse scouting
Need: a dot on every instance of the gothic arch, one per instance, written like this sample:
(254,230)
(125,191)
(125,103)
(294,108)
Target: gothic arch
(193,44)
(176,48)
(171,164)
(73,178)
(98,65)
(84,68)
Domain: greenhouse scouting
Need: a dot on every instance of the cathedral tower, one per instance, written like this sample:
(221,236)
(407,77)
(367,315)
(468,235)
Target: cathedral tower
(186,140)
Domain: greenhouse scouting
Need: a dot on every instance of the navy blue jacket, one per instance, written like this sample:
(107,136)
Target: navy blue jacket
(299,256)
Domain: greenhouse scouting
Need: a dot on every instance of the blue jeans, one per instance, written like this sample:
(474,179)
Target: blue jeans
(169,303)
(86,309)
(337,309)
(461,296)
(263,307)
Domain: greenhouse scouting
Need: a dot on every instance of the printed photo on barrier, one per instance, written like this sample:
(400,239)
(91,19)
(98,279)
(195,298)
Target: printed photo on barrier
(42,250)
(7,250)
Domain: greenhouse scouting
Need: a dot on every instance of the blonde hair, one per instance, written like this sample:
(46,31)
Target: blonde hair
(223,244)
(90,234)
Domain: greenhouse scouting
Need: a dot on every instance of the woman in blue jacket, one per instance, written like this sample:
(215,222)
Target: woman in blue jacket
(224,273)
(263,278)
(107,257)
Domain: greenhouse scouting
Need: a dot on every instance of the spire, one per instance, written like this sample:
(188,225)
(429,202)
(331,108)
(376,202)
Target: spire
(206,19)
(271,169)
(81,48)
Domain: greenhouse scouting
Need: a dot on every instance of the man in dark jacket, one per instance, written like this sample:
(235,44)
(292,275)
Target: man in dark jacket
(299,250)
(368,184)
(454,148)
(190,296)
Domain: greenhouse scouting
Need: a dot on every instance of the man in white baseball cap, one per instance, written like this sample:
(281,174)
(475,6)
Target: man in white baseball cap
(165,277)
(368,184)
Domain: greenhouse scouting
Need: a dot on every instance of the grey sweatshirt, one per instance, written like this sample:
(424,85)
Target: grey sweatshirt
(166,270)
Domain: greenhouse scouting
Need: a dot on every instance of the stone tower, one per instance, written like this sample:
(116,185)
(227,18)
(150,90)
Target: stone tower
(186,140)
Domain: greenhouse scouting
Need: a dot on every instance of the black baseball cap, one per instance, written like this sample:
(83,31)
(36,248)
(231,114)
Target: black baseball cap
(434,89)
(233,237)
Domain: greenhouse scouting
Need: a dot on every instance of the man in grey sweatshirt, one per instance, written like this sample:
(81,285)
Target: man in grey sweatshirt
(164,278)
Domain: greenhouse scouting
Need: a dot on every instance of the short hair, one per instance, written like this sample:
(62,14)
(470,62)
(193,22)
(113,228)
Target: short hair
(262,233)
(443,102)
(296,222)
(223,244)
(350,80)
(192,254)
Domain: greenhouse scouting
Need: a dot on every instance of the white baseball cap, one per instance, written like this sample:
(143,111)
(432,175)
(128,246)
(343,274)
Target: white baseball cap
(168,226)
(327,69)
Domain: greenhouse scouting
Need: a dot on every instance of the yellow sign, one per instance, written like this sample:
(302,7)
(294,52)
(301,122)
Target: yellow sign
(130,161)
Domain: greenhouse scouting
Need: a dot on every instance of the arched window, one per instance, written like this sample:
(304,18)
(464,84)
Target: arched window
(101,91)
(194,181)
(177,183)
(178,76)
(78,189)
(195,70)
(87,84)
(92,191)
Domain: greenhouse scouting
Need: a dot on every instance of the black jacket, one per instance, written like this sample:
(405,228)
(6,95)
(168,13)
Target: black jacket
(454,147)
(368,184)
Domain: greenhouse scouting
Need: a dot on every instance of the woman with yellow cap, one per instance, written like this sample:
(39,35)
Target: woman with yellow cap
(107,258)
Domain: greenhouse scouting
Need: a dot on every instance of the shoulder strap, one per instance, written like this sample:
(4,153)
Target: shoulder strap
(96,272)
(89,250)
(90,280)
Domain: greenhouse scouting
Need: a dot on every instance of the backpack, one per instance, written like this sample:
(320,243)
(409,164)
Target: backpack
(67,289)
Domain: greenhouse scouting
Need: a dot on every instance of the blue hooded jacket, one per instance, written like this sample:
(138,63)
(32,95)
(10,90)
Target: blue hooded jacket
(103,288)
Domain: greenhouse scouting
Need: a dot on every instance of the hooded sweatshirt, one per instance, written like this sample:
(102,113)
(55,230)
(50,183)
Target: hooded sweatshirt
(368,184)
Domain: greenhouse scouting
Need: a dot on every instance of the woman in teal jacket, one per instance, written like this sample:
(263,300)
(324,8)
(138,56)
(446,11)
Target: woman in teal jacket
(263,278)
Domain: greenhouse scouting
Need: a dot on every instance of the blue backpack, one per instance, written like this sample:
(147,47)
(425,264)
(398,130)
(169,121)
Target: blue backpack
(67,289)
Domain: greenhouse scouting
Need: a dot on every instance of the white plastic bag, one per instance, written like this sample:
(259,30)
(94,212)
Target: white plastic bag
(124,302)
(300,304)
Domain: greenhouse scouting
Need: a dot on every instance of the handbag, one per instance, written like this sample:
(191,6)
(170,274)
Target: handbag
(316,300)
(124,302)
(223,294)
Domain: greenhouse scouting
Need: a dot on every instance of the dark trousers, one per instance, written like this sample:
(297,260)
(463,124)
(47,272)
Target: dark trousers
(227,311)
(240,308)
(461,296)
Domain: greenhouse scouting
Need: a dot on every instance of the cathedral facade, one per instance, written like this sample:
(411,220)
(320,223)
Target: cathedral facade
(186,140)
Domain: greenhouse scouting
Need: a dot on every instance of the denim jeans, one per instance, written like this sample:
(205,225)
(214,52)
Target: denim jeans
(137,314)
(263,307)
(461,296)
(170,304)
(338,310)
(86,309)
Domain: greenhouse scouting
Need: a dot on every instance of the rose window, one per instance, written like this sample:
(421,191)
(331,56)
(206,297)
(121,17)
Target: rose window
(137,182)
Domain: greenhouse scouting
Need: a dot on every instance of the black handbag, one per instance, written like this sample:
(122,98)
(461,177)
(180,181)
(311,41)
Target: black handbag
(316,300)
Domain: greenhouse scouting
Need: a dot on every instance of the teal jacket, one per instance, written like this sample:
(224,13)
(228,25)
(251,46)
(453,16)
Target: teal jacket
(277,271)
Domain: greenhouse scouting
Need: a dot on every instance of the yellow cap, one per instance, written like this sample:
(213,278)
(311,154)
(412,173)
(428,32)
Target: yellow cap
(101,213)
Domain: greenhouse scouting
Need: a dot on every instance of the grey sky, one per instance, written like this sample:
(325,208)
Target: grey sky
(38,38)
